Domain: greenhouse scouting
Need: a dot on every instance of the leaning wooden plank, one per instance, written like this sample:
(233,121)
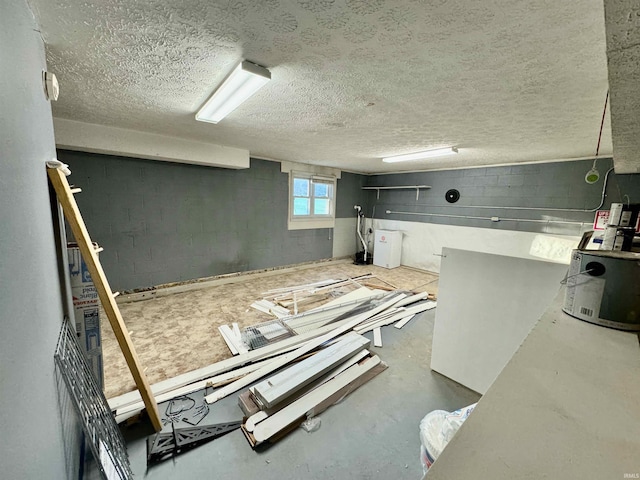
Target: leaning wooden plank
(299,409)
(223,366)
(377,337)
(257,417)
(81,234)
(289,357)
(224,333)
(277,388)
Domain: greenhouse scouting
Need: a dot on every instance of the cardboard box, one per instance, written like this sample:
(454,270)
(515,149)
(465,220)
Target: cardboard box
(86,310)
(78,271)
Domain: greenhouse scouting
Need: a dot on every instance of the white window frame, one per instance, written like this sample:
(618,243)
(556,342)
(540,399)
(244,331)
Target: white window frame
(299,222)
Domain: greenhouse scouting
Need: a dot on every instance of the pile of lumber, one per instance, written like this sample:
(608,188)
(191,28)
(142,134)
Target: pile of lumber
(286,324)
(280,301)
(281,402)
(325,359)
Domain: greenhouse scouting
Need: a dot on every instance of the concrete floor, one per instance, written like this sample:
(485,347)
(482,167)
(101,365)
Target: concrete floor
(371,434)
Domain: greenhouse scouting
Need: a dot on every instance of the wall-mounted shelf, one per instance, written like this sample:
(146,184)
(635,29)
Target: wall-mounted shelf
(400,187)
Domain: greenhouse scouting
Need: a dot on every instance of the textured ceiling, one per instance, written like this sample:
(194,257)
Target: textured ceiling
(353,80)
(623,53)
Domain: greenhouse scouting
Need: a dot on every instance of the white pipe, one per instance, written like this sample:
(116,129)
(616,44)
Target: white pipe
(364,244)
(493,219)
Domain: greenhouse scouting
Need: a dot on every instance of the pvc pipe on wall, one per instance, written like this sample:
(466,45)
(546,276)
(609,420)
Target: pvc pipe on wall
(493,219)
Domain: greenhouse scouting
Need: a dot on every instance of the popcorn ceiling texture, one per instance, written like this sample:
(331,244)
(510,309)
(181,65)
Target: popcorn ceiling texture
(623,53)
(353,80)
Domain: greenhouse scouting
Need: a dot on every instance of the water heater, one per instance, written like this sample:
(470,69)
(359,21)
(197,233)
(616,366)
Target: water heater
(603,287)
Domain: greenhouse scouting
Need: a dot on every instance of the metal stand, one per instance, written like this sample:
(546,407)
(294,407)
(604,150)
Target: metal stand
(163,446)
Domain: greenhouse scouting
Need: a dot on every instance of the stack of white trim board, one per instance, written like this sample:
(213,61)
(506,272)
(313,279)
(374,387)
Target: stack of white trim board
(287,381)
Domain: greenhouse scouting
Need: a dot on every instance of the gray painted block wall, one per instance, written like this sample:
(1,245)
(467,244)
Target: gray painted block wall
(544,185)
(31,306)
(350,193)
(162,222)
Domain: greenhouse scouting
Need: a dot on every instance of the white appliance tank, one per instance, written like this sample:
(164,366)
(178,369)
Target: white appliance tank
(387,249)
(604,288)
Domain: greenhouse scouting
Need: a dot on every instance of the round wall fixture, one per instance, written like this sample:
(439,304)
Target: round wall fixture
(50,84)
(592,176)
(452,196)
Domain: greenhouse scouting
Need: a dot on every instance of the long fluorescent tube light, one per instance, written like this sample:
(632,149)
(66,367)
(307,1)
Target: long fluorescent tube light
(437,152)
(245,80)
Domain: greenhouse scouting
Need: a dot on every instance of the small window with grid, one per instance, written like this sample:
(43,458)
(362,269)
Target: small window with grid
(312,198)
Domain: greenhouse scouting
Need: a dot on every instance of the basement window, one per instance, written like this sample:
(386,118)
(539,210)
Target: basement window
(311,201)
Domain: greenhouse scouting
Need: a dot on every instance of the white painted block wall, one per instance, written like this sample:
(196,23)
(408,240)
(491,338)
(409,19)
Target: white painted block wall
(344,237)
(423,242)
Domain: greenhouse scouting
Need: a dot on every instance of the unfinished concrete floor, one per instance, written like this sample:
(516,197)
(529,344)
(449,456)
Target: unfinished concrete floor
(178,333)
(371,434)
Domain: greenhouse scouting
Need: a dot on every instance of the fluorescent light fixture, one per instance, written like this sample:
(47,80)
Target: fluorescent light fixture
(245,80)
(437,152)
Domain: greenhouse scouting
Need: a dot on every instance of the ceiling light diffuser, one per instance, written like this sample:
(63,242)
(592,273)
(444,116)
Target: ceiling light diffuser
(437,152)
(245,80)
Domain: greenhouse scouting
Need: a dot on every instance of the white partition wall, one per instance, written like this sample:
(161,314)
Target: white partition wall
(422,243)
(487,304)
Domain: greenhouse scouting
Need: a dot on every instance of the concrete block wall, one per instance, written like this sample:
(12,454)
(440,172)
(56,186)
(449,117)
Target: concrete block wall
(167,222)
(350,193)
(544,185)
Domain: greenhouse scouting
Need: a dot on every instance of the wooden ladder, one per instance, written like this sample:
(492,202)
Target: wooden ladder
(90,256)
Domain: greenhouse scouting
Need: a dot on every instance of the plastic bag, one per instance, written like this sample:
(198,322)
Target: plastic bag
(311,424)
(437,428)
